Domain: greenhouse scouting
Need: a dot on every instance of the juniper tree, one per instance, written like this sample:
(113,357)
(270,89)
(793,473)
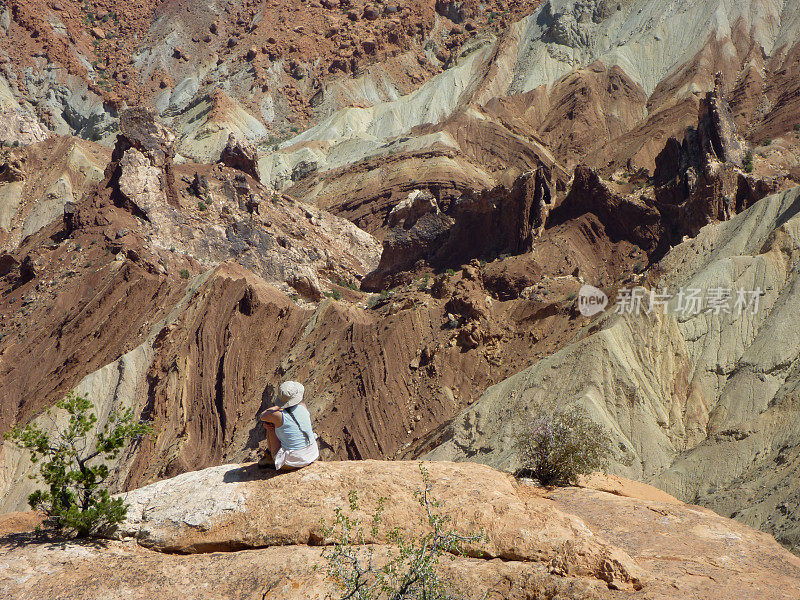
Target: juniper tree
(72,465)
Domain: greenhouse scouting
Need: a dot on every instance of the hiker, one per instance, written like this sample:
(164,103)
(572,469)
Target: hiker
(291,441)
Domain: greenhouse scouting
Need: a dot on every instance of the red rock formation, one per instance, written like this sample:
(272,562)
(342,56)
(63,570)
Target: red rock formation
(636,220)
(485,224)
(241,155)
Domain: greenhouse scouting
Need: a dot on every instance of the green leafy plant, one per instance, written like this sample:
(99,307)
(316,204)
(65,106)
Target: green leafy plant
(423,286)
(184,273)
(201,206)
(748,162)
(71,464)
(335,294)
(410,571)
(560,445)
(350,285)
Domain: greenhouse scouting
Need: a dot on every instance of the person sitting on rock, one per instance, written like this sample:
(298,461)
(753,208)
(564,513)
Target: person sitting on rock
(292,442)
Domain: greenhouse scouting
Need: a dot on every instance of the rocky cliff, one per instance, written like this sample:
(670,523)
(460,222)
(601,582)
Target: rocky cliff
(675,389)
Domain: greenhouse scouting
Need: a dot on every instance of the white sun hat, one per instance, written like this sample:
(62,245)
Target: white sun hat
(290,393)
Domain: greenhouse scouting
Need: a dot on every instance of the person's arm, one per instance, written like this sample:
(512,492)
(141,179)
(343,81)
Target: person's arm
(272,417)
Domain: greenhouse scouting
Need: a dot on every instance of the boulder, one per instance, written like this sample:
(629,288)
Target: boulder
(409,210)
(8,263)
(199,186)
(371,12)
(12,170)
(234,507)
(452,9)
(143,156)
(306,283)
(402,248)
(241,155)
(17,125)
(303,169)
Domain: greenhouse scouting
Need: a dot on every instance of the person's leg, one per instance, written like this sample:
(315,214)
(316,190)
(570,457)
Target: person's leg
(273,443)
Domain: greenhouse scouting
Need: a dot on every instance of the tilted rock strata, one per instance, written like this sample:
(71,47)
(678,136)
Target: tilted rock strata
(699,404)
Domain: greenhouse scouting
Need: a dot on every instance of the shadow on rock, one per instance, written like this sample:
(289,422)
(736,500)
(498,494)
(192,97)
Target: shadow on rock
(249,472)
(51,541)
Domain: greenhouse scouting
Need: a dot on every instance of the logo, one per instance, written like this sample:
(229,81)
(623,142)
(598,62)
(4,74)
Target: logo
(591,301)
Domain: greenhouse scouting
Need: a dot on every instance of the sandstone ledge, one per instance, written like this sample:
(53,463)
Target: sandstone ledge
(241,532)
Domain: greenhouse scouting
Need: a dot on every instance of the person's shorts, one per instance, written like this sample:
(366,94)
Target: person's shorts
(296,458)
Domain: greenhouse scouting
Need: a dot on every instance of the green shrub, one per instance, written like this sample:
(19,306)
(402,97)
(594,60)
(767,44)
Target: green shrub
(559,445)
(350,285)
(748,162)
(767,142)
(335,294)
(797,127)
(450,272)
(184,273)
(76,499)
(410,571)
(201,206)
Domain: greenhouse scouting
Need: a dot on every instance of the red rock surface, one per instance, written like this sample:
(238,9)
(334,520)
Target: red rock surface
(252,534)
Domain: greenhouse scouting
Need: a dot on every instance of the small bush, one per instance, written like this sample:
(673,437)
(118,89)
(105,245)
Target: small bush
(184,273)
(797,127)
(560,445)
(350,285)
(767,142)
(748,162)
(335,294)
(411,569)
(450,272)
(201,206)
(76,499)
